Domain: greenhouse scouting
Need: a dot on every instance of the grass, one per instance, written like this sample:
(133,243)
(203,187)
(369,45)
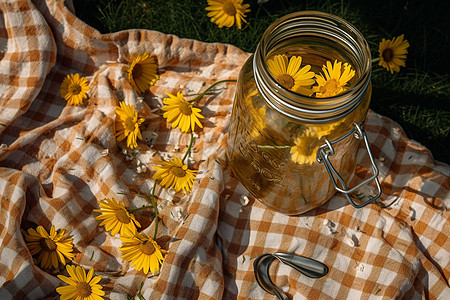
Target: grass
(418,97)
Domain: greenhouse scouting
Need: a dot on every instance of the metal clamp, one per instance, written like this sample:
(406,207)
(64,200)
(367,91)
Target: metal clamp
(305,265)
(327,150)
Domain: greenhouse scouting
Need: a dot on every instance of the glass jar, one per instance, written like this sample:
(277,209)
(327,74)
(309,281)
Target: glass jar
(294,148)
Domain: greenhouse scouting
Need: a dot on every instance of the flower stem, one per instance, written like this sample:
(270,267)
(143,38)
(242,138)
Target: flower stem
(273,147)
(208,89)
(139,294)
(189,148)
(376,59)
(139,208)
(155,207)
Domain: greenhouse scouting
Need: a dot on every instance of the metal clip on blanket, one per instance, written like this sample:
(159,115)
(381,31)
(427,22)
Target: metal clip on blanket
(306,266)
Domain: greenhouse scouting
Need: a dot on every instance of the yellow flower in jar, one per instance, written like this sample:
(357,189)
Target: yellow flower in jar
(324,130)
(306,145)
(333,80)
(305,149)
(288,72)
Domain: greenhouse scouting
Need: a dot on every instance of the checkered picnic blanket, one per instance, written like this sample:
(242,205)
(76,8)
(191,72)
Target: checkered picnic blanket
(58,161)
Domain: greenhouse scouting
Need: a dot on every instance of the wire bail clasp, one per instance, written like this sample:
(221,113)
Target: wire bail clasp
(326,151)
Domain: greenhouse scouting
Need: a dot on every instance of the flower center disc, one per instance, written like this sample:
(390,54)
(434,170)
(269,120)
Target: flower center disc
(388,54)
(75,89)
(179,171)
(229,8)
(137,71)
(48,244)
(122,216)
(286,80)
(330,88)
(83,289)
(185,108)
(130,123)
(147,248)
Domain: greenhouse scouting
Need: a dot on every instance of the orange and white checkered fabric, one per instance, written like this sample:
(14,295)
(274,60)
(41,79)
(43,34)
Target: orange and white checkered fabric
(58,161)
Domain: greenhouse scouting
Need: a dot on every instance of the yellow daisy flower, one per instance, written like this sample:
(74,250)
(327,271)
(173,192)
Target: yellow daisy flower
(53,248)
(393,53)
(305,149)
(333,81)
(143,252)
(116,217)
(174,173)
(127,124)
(73,89)
(181,113)
(288,73)
(81,286)
(323,130)
(142,72)
(227,12)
